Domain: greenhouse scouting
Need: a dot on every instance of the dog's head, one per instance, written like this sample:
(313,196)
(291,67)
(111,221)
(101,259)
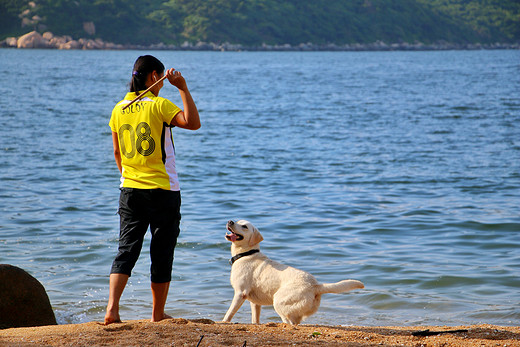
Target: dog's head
(243,232)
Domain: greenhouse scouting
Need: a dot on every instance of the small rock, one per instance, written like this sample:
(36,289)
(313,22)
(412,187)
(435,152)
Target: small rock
(11,42)
(48,35)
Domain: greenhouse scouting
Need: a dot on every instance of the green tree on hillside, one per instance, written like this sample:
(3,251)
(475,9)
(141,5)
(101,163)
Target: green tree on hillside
(11,17)
(253,22)
(489,18)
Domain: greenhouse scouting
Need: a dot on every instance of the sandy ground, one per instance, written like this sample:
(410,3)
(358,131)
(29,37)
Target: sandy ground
(204,333)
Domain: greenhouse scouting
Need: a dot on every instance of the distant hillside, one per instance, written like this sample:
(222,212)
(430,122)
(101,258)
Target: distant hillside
(253,22)
(490,19)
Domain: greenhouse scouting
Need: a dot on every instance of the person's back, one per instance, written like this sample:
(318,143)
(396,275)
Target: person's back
(145,142)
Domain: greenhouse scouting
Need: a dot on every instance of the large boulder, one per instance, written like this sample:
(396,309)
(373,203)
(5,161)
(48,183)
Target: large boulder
(23,300)
(32,40)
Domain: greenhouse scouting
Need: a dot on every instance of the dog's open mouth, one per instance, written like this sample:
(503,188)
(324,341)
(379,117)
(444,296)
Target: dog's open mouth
(232,236)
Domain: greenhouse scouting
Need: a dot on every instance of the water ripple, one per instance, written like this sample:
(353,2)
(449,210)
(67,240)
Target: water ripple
(394,168)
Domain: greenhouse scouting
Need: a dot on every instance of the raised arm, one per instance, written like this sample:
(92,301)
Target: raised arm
(189,118)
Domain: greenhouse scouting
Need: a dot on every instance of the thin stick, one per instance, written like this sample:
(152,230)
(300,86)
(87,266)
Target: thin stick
(427,332)
(146,91)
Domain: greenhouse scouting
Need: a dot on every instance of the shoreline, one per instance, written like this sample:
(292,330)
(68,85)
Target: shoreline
(48,40)
(184,332)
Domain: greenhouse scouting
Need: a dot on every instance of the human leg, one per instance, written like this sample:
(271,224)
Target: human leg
(159,294)
(117,285)
(134,222)
(164,226)
(133,226)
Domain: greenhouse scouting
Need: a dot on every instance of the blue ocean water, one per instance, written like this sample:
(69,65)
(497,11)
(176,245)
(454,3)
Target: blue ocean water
(399,169)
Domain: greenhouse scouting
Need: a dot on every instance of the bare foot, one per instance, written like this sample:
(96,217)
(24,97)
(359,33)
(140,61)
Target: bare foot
(112,318)
(164,316)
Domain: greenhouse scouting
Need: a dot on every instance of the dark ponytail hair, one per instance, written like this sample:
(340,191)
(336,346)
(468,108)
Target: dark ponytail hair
(144,65)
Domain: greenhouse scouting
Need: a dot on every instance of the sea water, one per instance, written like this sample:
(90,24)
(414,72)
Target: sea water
(398,169)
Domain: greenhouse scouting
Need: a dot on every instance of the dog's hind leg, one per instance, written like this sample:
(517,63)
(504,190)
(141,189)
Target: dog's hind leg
(255,313)
(288,320)
(282,312)
(295,319)
(238,300)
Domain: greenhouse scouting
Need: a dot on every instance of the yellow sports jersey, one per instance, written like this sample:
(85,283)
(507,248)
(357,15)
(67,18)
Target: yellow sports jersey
(145,142)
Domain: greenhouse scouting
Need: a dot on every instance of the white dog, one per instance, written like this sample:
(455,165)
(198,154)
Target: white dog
(295,294)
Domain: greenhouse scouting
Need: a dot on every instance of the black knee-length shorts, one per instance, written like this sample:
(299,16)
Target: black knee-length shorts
(142,208)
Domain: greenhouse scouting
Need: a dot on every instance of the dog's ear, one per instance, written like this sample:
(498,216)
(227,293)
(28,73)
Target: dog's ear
(256,238)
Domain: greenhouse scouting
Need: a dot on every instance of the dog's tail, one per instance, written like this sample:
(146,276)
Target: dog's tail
(340,287)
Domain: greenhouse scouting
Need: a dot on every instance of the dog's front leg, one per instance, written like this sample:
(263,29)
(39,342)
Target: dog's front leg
(238,300)
(255,313)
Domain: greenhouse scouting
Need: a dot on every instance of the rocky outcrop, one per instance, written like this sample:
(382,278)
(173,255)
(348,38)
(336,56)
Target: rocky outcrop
(48,40)
(23,300)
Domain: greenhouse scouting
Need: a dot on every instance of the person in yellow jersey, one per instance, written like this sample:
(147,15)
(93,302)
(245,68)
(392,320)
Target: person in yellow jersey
(150,194)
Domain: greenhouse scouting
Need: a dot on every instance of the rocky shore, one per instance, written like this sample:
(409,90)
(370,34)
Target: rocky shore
(48,40)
